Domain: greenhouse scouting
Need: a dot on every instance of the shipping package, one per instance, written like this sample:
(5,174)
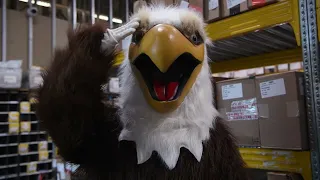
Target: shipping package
(196,5)
(233,7)
(259,3)
(237,104)
(270,69)
(281,108)
(211,10)
(284,176)
(166,2)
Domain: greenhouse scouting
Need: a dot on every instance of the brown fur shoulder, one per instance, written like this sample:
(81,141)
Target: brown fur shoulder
(70,100)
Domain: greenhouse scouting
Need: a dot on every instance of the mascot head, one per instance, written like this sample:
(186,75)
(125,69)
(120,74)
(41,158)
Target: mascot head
(166,91)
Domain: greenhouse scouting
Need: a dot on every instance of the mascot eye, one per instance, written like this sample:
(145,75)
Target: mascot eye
(137,37)
(196,38)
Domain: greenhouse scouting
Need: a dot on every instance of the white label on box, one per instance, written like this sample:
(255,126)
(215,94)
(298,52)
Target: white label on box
(213,4)
(249,105)
(241,116)
(295,66)
(251,72)
(10,79)
(243,110)
(232,3)
(283,67)
(184,4)
(240,74)
(259,71)
(232,91)
(272,88)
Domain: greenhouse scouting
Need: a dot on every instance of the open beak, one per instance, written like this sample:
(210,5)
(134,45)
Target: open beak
(166,64)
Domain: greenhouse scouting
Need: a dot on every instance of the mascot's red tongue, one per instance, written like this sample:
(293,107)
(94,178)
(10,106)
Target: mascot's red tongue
(165,92)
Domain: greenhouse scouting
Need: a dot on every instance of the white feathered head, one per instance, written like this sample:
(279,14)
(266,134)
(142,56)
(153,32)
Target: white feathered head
(166,91)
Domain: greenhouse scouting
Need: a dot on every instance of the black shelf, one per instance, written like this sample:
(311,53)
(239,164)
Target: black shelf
(15,164)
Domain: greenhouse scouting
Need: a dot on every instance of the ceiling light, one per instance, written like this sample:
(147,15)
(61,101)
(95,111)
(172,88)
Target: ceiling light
(102,17)
(39,3)
(106,18)
(116,20)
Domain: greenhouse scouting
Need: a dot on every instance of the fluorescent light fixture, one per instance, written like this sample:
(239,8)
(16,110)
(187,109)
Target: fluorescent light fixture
(106,18)
(39,3)
(116,20)
(102,17)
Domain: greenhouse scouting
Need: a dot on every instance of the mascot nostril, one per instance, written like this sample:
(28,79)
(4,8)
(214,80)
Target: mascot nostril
(166,127)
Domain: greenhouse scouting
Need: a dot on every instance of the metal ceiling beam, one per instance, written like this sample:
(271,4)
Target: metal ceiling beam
(92,11)
(4,30)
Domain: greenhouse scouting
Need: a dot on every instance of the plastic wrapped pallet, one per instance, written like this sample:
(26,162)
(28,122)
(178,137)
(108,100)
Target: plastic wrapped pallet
(10,74)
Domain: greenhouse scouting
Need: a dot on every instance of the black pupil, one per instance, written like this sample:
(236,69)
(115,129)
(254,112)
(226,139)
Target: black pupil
(195,38)
(137,37)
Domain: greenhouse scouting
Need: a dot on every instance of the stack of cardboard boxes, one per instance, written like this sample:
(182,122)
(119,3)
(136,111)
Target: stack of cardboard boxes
(216,9)
(266,111)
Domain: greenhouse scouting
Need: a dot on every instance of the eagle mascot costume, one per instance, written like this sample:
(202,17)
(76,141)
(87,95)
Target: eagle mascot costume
(166,126)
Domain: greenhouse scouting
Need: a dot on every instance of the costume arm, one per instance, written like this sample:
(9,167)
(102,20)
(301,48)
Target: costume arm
(70,100)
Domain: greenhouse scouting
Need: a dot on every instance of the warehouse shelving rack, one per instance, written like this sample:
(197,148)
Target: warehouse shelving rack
(25,151)
(284,32)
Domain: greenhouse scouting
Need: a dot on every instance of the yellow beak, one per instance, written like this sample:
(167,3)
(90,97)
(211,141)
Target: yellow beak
(163,44)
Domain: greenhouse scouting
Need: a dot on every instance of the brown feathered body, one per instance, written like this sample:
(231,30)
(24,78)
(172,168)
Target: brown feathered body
(86,130)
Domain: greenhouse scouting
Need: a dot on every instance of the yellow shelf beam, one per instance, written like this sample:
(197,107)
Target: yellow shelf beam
(287,56)
(278,160)
(284,11)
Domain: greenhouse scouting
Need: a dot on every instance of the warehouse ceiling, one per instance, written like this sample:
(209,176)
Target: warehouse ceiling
(102,8)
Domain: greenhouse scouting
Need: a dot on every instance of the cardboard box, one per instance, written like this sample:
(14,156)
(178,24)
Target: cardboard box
(233,7)
(284,176)
(236,102)
(296,66)
(281,108)
(283,67)
(196,5)
(166,2)
(270,69)
(259,3)
(211,10)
